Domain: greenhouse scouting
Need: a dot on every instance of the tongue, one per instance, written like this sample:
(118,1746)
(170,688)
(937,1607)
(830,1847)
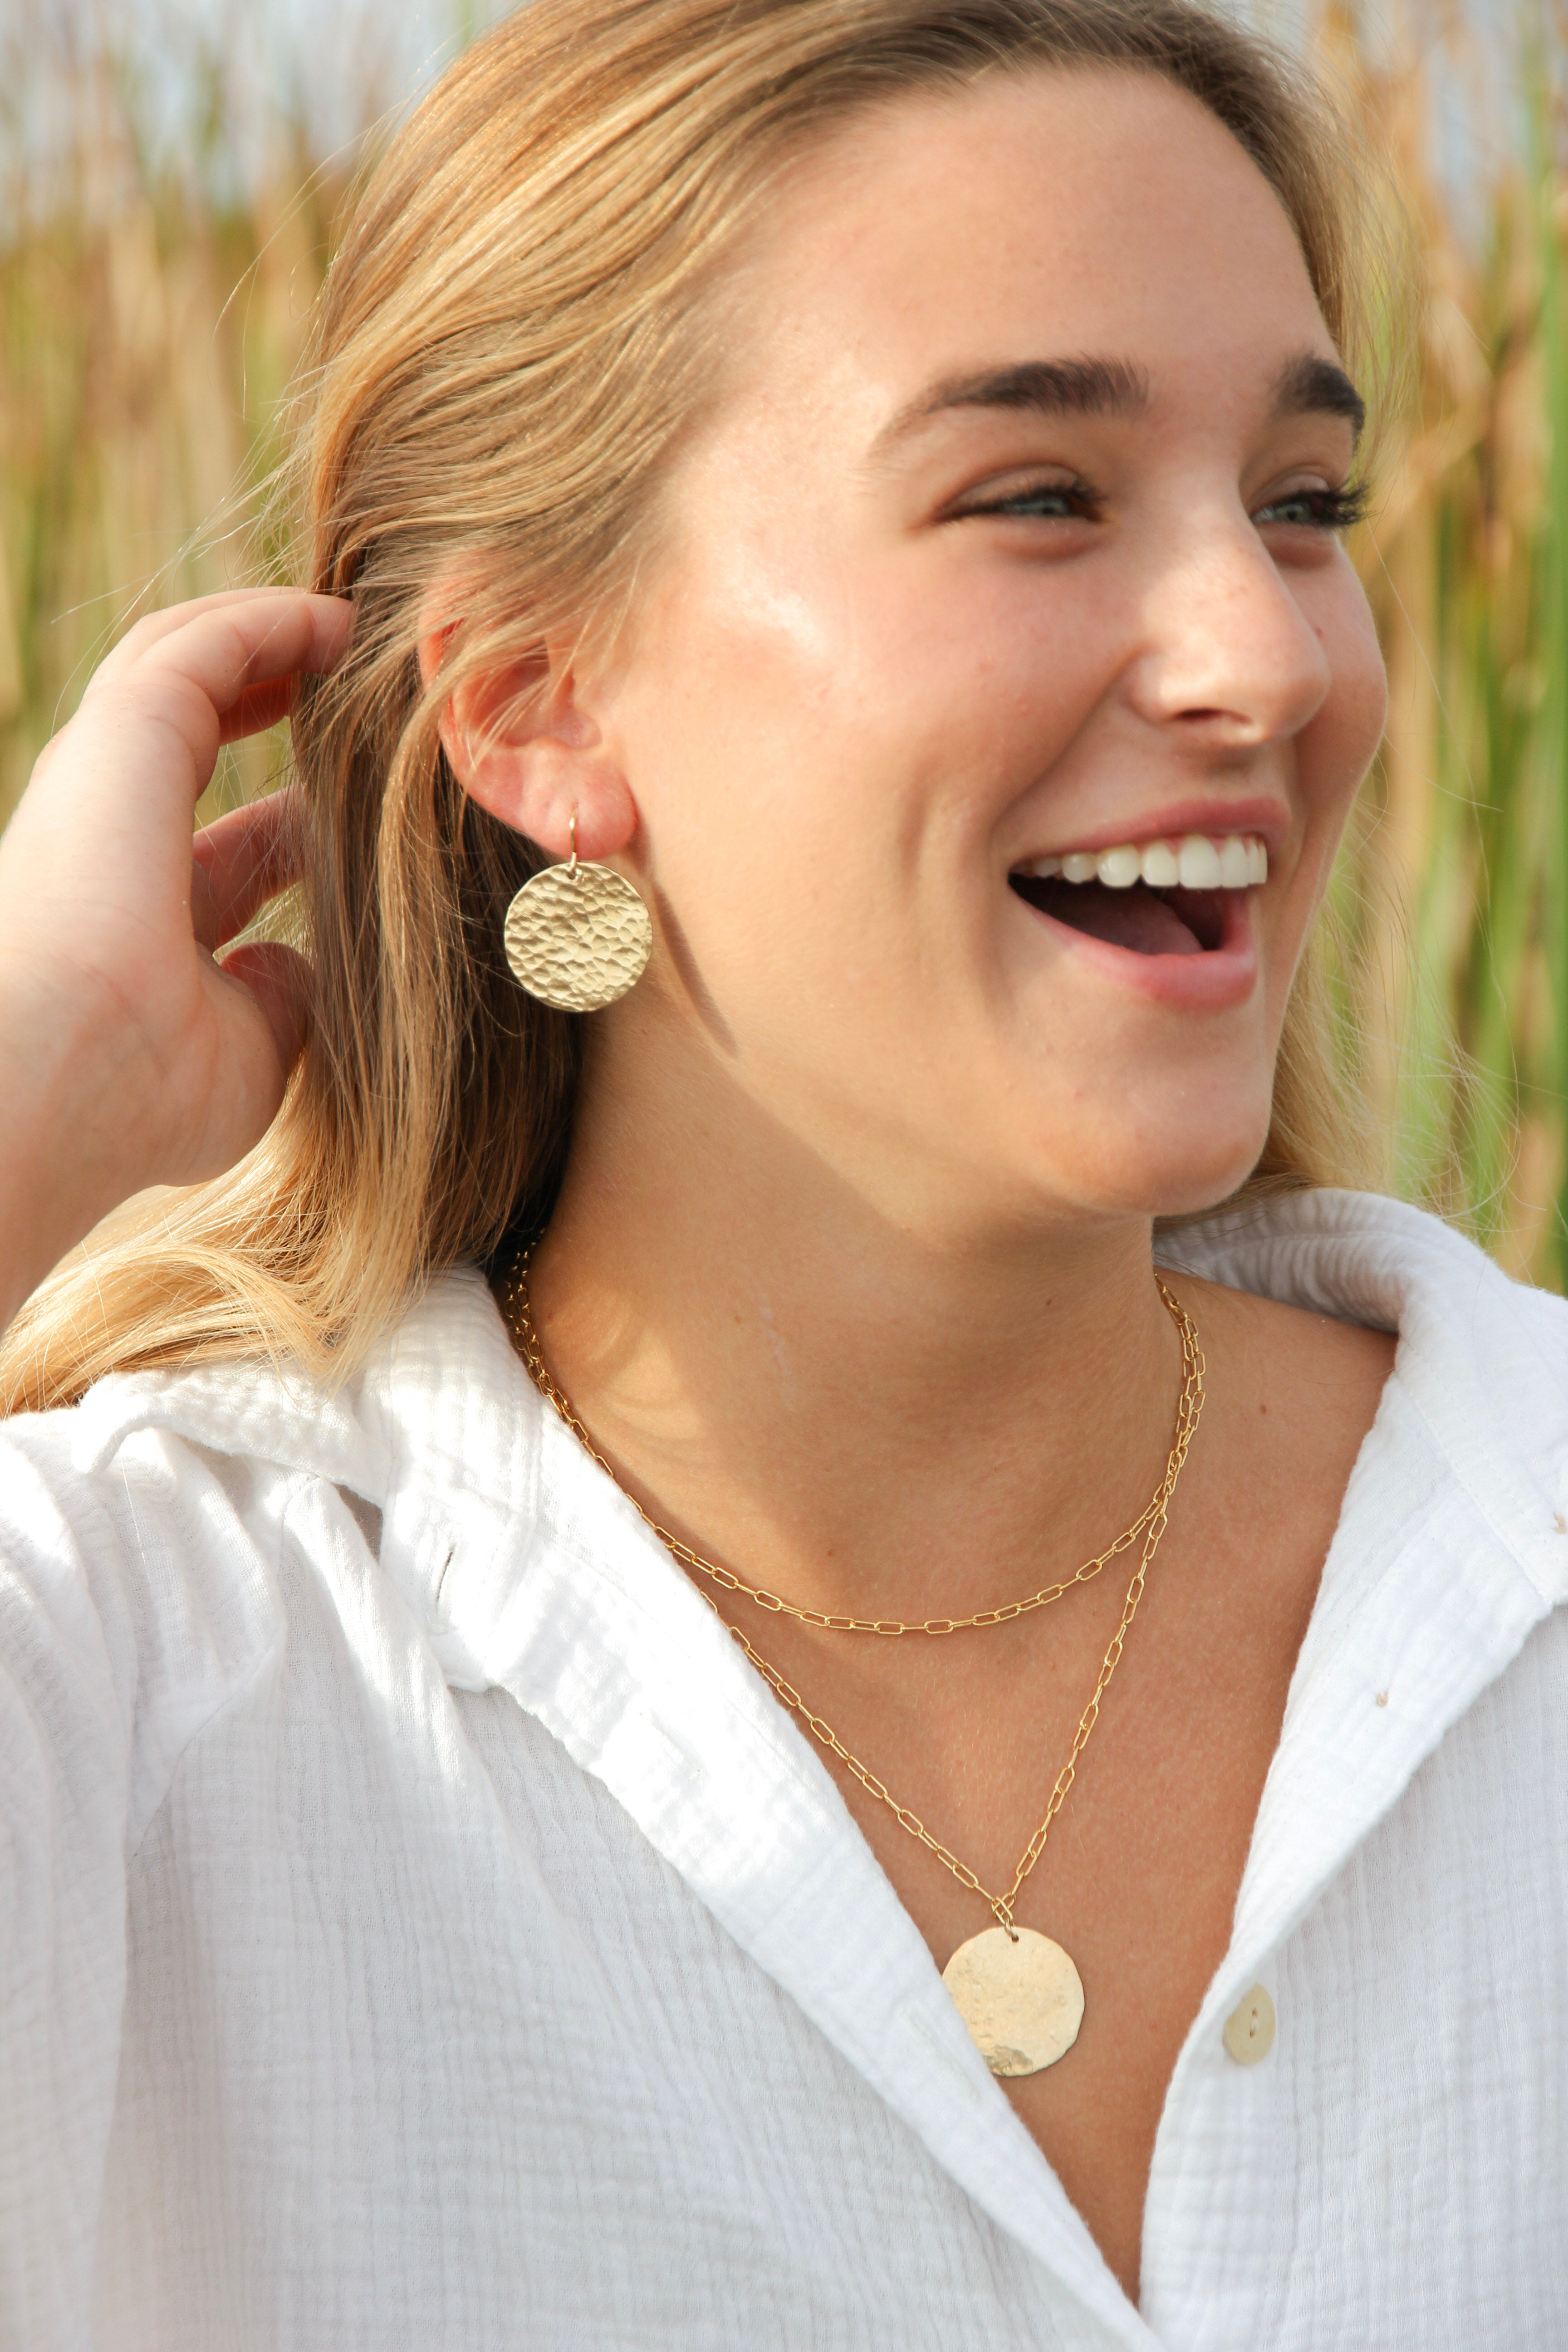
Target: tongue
(1138,919)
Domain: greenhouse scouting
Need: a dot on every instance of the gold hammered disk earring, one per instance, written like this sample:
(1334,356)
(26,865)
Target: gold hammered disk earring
(577,935)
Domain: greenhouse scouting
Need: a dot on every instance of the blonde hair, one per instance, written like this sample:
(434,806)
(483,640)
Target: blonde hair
(517,326)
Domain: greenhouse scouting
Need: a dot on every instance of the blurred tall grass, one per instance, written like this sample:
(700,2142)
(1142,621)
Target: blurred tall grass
(153,304)
(152,307)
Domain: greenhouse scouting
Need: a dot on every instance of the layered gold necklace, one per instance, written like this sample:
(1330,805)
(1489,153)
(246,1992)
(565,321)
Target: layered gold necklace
(1017,1991)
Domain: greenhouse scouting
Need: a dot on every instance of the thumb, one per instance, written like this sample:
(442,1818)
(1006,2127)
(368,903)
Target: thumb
(279,978)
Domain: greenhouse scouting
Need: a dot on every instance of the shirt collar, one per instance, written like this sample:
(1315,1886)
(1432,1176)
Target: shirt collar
(1482,1359)
(1452,1542)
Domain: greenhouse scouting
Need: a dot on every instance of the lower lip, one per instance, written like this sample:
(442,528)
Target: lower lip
(1210,982)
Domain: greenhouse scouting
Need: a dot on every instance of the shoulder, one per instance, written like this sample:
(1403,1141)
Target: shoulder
(152,1434)
(1481,1361)
(141,1530)
(1361,1260)
(1360,1257)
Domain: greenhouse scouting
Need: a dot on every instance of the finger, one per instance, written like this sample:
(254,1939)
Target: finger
(278,980)
(244,859)
(258,708)
(203,908)
(184,685)
(244,644)
(152,628)
(261,997)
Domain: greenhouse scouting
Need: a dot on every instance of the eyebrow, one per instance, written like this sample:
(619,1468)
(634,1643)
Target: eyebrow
(1307,385)
(1310,387)
(1046,387)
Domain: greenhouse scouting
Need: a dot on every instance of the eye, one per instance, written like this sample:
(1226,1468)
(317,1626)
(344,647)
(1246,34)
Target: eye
(1315,510)
(1036,502)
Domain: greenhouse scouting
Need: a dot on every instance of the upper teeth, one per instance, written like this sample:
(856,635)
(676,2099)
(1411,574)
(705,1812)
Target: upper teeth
(1235,861)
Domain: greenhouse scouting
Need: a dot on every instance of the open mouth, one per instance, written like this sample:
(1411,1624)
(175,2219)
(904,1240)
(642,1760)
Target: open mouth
(1154,898)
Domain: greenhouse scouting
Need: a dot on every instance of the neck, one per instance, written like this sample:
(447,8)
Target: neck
(876,1406)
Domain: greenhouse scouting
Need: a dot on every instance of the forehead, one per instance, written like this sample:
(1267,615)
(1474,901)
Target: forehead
(1046,211)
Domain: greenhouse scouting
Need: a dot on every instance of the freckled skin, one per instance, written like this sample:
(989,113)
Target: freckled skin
(914,704)
(850,1275)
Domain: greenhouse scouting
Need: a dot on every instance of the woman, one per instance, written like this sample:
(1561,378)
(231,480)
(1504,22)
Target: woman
(853,488)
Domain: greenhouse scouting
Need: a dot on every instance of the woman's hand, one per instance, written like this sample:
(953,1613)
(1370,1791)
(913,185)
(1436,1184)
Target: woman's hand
(129,1055)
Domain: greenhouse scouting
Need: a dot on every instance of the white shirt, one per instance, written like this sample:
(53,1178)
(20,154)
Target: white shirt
(420,1927)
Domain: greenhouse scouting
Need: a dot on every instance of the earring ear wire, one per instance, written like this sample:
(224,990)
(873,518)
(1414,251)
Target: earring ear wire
(577,935)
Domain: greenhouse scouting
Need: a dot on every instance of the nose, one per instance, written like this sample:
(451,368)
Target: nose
(1227,656)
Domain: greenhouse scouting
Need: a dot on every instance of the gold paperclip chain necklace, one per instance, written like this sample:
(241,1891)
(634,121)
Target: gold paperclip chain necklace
(1019,1993)
(513,1293)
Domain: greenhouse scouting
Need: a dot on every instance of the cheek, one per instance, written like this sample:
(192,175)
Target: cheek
(734,726)
(732,683)
(766,729)
(1344,736)
(1333,754)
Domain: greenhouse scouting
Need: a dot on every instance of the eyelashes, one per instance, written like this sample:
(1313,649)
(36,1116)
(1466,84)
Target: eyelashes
(1041,501)
(1319,509)
(1308,510)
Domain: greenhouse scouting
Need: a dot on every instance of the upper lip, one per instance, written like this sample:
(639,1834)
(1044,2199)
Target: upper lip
(1268,818)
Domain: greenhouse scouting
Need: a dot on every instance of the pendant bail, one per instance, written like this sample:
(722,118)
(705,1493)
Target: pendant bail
(1003,1911)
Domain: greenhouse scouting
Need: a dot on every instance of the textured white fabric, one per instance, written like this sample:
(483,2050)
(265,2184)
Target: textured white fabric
(418,1925)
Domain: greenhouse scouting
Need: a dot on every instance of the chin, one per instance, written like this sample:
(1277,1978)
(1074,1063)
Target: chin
(1179,1170)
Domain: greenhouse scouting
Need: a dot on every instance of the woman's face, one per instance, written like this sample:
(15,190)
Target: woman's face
(1007,558)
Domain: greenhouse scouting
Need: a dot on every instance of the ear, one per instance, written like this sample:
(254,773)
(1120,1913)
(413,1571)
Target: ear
(520,744)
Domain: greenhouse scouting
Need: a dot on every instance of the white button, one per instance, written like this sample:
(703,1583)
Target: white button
(1249,2028)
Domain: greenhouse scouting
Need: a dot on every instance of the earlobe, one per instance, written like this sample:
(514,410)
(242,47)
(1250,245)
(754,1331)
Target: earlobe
(520,745)
(543,784)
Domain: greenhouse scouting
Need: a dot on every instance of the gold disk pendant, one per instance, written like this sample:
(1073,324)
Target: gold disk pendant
(577,937)
(1022,2000)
